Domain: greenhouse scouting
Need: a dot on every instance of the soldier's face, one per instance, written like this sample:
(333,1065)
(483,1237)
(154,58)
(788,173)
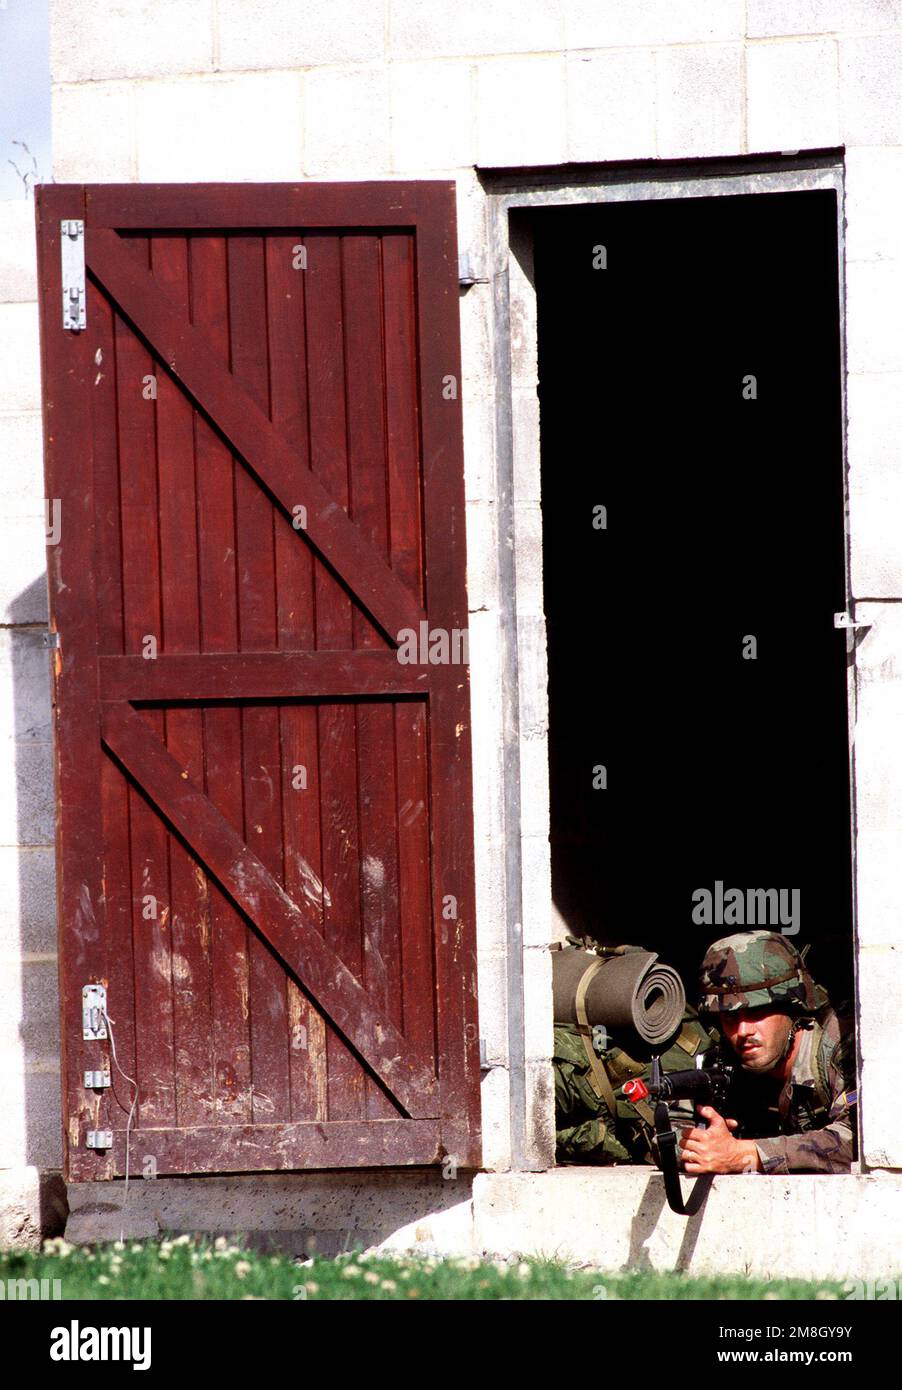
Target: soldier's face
(757,1036)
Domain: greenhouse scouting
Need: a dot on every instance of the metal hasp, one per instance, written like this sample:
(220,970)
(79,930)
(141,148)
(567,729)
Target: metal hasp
(846,620)
(93,1009)
(100,1139)
(72,249)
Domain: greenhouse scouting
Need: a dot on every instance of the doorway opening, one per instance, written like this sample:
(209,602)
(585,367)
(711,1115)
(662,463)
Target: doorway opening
(694,552)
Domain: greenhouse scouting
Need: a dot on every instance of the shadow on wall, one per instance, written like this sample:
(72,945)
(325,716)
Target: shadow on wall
(34,1135)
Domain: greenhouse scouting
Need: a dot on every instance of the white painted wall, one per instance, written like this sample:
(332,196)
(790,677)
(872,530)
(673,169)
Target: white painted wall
(204,90)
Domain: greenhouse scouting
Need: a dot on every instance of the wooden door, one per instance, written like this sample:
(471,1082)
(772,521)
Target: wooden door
(265,848)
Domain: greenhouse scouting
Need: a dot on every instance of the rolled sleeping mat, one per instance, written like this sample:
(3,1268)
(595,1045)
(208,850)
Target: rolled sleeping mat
(632,990)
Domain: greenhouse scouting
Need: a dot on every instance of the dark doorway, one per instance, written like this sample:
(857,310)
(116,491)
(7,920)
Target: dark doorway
(724,522)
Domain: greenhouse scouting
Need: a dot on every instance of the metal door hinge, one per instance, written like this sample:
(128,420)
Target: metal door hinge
(100,1139)
(50,639)
(96,1080)
(72,248)
(93,1009)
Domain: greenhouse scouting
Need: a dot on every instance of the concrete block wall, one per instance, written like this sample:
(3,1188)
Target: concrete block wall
(29,1011)
(266,90)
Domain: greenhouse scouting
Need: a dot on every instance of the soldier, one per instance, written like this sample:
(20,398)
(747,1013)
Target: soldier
(795,1092)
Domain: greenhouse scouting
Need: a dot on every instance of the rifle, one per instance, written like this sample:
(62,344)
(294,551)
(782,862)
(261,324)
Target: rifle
(706,1085)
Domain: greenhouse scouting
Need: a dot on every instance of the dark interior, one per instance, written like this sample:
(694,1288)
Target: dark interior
(724,520)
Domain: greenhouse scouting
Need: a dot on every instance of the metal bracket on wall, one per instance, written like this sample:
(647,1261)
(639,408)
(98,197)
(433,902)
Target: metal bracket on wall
(72,250)
(100,1139)
(847,621)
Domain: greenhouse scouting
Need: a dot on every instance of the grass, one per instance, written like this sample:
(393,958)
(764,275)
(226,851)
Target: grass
(186,1267)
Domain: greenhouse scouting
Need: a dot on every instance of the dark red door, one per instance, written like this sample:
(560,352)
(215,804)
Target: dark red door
(265,847)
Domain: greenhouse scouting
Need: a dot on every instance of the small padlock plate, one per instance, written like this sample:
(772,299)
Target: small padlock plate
(93,1010)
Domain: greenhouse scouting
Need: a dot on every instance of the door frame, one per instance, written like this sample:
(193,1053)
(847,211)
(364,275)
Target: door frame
(511,195)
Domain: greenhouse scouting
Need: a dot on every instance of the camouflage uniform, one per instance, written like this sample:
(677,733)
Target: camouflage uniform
(811,1126)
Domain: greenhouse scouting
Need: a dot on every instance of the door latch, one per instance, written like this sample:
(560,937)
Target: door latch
(72,250)
(93,1010)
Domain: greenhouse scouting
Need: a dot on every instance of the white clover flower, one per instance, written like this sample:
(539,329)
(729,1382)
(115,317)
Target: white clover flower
(242,1268)
(118,1244)
(312,1287)
(388,1284)
(370,1277)
(351,1272)
(523,1270)
(182,1240)
(220,1243)
(102,1279)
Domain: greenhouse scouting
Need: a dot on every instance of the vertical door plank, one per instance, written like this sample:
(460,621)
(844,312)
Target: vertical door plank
(152,908)
(190,898)
(262,759)
(285,280)
(411,811)
(218,581)
(334,630)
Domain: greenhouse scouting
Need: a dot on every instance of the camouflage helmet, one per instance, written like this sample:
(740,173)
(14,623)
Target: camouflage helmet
(753,969)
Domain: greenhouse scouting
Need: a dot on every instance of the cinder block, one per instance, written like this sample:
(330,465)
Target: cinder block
(540,1131)
(879,990)
(528,553)
(247,127)
(878,855)
(133,38)
(538,1003)
(281,34)
(18,252)
(876,553)
(611,24)
(699,101)
(527,452)
(873,312)
(479,456)
(347,123)
(874,403)
(482,557)
(830,1228)
(532,653)
(611,105)
(23,570)
(487,722)
(771,18)
(492,984)
(534,786)
(26,796)
(20,360)
(491,921)
(432,115)
(31,1132)
(495,1096)
(878,753)
(25,711)
(871,90)
(477,362)
(29,1015)
(874,204)
(27,901)
(22,474)
(538,926)
(93,131)
(521,111)
(792,95)
(451,28)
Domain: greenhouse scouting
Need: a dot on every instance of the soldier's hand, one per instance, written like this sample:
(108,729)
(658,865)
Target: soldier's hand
(715,1149)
